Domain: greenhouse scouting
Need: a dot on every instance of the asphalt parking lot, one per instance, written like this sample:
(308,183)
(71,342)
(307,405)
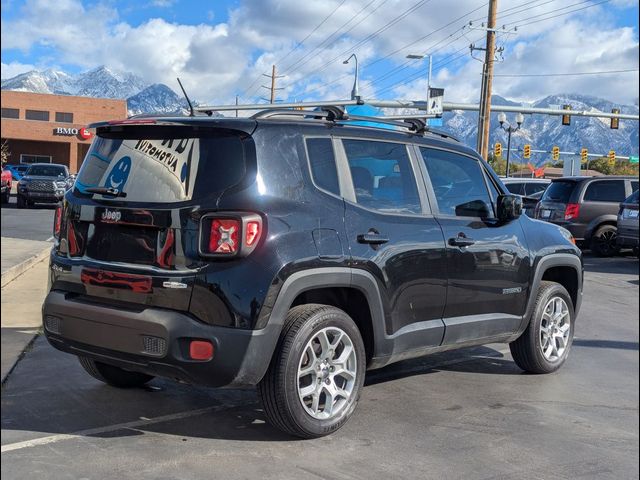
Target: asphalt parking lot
(30,223)
(466,414)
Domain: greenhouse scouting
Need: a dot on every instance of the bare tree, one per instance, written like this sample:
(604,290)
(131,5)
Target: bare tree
(5,152)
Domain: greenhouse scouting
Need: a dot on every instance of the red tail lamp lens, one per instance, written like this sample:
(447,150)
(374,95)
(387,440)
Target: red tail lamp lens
(252,234)
(572,211)
(224,236)
(57,222)
(200,350)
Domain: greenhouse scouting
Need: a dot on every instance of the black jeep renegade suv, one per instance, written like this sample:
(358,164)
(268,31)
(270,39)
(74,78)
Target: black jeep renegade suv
(294,255)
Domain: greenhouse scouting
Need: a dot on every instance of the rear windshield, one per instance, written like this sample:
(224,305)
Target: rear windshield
(47,171)
(559,192)
(163,163)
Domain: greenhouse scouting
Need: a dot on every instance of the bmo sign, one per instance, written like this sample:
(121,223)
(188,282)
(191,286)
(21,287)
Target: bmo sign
(83,133)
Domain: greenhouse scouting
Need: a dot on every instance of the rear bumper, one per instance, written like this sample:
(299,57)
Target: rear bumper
(156,341)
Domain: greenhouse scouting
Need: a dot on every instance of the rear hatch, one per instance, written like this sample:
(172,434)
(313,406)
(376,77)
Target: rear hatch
(129,228)
(553,204)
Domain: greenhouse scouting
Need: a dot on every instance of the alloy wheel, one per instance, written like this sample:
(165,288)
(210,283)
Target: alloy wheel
(327,373)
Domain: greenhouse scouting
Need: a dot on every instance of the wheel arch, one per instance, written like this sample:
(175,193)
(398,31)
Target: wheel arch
(563,268)
(598,222)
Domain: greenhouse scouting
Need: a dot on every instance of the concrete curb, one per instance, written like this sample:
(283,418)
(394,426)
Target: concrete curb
(26,344)
(14,272)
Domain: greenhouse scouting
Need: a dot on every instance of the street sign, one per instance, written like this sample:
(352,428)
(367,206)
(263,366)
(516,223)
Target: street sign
(436,96)
(633,159)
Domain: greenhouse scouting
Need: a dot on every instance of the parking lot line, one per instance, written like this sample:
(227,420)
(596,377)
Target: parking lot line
(109,428)
(143,421)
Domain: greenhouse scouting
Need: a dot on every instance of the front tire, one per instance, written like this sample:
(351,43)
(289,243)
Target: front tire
(604,242)
(545,344)
(114,376)
(316,375)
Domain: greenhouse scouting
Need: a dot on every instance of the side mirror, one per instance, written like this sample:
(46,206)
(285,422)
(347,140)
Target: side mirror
(509,207)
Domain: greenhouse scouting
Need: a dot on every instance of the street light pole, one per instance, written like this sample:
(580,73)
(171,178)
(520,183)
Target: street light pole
(355,94)
(502,118)
(420,57)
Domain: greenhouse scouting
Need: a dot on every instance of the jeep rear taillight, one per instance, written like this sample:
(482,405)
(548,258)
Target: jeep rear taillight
(572,211)
(229,234)
(57,221)
(223,236)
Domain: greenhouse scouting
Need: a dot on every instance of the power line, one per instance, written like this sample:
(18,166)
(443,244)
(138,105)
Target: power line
(564,74)
(404,47)
(527,22)
(300,43)
(386,26)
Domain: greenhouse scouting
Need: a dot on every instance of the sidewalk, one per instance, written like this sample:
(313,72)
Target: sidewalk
(20,316)
(18,253)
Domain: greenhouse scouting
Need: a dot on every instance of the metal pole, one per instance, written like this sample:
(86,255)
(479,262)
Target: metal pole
(429,77)
(272,97)
(488,60)
(508,150)
(236,104)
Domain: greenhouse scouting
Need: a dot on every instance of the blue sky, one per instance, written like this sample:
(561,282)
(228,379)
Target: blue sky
(221,48)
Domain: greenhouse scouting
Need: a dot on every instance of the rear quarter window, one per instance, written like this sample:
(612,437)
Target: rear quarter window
(605,191)
(559,192)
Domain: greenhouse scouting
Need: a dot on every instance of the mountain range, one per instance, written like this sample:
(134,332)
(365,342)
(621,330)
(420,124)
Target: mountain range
(540,131)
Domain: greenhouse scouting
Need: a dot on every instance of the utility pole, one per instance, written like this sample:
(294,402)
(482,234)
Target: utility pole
(272,88)
(484,117)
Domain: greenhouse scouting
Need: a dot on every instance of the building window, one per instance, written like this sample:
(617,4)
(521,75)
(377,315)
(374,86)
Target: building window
(37,115)
(64,117)
(35,158)
(10,113)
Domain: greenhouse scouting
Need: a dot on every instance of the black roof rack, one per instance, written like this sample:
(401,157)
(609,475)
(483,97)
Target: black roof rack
(335,113)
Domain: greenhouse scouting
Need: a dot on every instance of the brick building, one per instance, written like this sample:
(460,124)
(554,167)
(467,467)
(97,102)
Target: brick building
(51,128)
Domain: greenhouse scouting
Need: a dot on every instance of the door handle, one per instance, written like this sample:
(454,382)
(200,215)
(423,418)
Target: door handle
(372,238)
(461,241)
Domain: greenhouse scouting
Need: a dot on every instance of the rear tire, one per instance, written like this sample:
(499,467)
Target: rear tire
(316,374)
(545,344)
(604,241)
(6,196)
(114,376)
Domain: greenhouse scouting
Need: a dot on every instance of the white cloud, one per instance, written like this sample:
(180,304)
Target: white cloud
(218,60)
(12,69)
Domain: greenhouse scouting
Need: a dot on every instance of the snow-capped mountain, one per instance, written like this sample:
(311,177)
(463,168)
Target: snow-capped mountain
(157,98)
(540,131)
(543,132)
(101,82)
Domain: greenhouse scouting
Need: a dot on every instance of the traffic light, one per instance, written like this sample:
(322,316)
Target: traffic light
(526,151)
(615,121)
(497,149)
(566,119)
(555,153)
(583,155)
(612,157)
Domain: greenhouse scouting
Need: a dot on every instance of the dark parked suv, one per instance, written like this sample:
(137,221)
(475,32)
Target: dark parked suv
(42,183)
(588,208)
(295,254)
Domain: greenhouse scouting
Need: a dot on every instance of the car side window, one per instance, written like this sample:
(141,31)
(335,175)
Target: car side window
(517,188)
(382,176)
(605,191)
(323,164)
(458,184)
(531,188)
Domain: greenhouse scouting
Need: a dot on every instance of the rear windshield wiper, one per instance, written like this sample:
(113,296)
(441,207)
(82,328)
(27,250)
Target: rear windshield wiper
(107,191)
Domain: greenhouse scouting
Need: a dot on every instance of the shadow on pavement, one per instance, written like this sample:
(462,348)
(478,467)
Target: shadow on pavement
(49,393)
(605,344)
(625,263)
